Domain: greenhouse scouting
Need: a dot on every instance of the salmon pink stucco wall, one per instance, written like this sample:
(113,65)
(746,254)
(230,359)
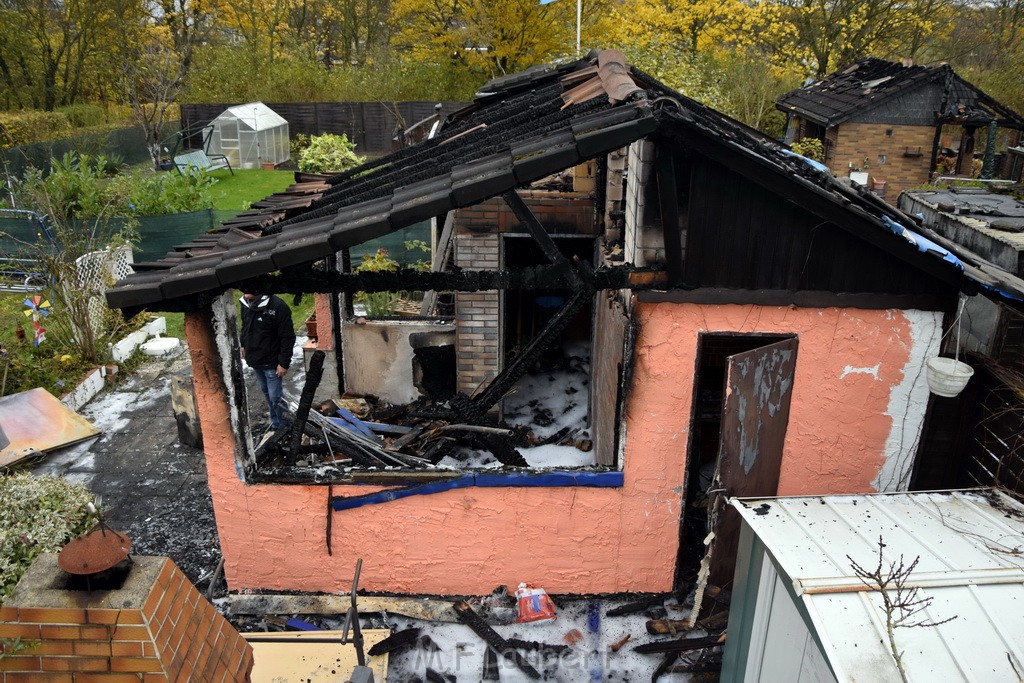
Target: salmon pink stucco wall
(464,541)
(859,390)
(850,372)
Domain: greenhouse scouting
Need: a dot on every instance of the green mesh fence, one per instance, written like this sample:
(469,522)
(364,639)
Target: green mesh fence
(19,237)
(127,144)
(395,243)
(159,234)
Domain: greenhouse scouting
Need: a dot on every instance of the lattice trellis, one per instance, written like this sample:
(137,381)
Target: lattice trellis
(97,271)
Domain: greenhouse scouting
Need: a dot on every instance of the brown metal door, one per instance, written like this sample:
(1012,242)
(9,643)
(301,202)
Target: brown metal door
(755,414)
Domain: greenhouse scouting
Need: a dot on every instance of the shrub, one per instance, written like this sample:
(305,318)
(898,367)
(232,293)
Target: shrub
(84,115)
(25,127)
(377,304)
(37,515)
(328,153)
(156,194)
(812,148)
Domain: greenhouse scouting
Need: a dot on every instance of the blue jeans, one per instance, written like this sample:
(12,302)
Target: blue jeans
(271,385)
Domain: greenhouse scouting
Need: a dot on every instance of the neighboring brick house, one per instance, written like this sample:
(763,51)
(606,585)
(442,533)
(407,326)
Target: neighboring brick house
(892,121)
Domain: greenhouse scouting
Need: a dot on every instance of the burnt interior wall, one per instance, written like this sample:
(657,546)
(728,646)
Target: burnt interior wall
(743,236)
(478,230)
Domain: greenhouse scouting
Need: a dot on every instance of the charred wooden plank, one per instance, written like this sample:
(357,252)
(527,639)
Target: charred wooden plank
(520,644)
(403,441)
(665,665)
(490,672)
(680,645)
(313,376)
(396,641)
(637,606)
(471,619)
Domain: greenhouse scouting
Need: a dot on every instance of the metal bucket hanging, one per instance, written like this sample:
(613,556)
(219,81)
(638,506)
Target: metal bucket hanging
(947,376)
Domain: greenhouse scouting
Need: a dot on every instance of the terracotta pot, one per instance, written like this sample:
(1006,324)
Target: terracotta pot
(311,328)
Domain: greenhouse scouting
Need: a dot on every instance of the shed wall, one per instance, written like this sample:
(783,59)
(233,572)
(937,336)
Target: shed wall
(859,141)
(853,364)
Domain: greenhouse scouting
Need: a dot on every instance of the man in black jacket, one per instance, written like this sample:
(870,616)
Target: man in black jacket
(267,339)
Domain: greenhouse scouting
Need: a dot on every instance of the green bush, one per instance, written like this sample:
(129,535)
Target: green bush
(156,194)
(327,153)
(377,304)
(25,127)
(84,115)
(37,515)
(812,148)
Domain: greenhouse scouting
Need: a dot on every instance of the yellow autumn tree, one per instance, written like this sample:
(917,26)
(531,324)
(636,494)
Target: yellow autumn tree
(824,35)
(492,38)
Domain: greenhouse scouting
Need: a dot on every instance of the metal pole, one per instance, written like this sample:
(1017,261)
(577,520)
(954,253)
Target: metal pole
(579,15)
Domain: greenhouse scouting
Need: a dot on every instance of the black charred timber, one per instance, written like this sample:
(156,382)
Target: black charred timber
(507,378)
(313,376)
(330,516)
(680,645)
(435,677)
(665,665)
(471,619)
(270,448)
(559,276)
(533,645)
(534,227)
(396,641)
(634,607)
(501,449)
(490,672)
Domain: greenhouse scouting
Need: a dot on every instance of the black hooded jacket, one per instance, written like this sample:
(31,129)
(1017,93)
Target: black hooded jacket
(267,332)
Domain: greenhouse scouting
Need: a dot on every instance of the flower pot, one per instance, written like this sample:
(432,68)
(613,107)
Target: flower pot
(311,327)
(267,166)
(948,377)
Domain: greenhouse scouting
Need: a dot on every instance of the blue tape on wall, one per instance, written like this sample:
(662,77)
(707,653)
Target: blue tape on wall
(519,480)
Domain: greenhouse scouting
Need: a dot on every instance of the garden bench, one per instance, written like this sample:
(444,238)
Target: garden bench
(198,158)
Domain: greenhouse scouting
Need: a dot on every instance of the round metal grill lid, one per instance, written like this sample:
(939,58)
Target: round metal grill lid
(96,551)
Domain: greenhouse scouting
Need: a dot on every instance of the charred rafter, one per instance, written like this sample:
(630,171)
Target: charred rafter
(559,276)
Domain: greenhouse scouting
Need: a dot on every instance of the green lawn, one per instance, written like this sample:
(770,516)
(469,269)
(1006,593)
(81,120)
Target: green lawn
(237,192)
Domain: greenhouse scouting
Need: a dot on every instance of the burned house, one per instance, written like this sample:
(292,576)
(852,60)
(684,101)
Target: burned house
(900,123)
(752,326)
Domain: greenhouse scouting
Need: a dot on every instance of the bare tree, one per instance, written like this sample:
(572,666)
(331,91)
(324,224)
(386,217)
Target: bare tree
(904,606)
(152,79)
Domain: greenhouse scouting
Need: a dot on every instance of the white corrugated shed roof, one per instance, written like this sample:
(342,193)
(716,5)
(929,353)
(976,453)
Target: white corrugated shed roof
(255,115)
(971,550)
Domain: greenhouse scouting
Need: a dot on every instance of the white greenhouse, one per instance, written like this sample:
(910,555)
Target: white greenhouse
(250,135)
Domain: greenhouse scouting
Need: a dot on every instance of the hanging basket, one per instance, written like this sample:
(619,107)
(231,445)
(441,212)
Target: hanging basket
(948,377)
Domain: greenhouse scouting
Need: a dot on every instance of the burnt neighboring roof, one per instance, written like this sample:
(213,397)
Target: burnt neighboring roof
(870,82)
(519,129)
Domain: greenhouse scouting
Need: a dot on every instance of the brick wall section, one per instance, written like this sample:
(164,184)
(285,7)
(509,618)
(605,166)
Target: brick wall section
(477,314)
(478,232)
(175,634)
(858,141)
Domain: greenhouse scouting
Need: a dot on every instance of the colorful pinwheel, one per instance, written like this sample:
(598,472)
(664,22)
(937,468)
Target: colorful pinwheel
(37,308)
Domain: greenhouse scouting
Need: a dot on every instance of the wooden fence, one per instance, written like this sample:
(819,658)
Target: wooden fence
(371,125)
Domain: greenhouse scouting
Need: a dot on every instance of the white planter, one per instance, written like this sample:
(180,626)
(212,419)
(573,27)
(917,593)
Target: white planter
(948,377)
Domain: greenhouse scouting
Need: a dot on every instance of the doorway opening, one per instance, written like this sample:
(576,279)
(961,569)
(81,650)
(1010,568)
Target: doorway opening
(740,411)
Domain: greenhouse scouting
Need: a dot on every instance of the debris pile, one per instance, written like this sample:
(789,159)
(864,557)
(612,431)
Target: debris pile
(340,438)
